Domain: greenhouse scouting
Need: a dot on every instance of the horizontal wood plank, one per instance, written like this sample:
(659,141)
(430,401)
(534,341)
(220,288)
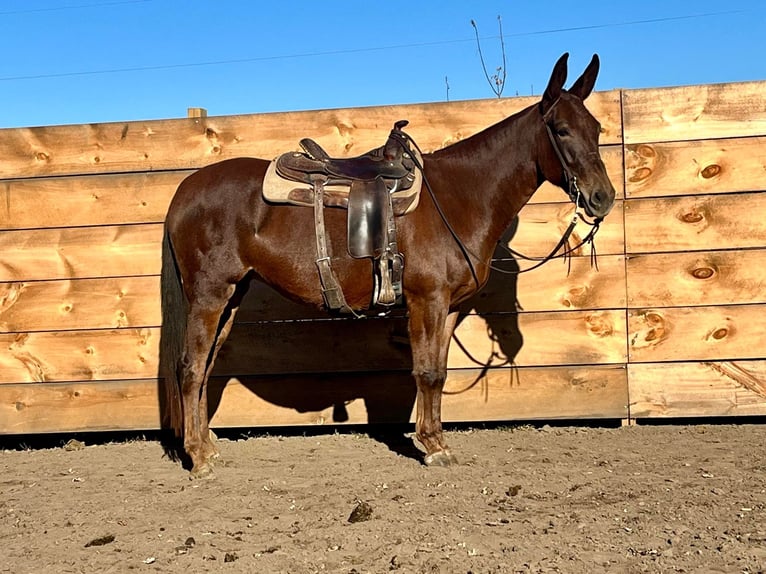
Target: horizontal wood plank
(695,167)
(695,223)
(193,142)
(697,389)
(80,252)
(721,333)
(697,278)
(91,200)
(694,112)
(498,395)
(113,302)
(541,226)
(143,197)
(129,250)
(581,337)
(80,304)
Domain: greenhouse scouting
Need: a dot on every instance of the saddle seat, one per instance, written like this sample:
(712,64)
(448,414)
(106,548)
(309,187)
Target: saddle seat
(376,163)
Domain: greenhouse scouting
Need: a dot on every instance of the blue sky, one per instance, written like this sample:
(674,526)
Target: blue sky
(88,61)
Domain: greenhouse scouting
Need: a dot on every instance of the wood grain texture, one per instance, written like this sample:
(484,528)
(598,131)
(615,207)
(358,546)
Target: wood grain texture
(129,250)
(143,197)
(113,302)
(382,397)
(721,333)
(697,389)
(80,252)
(695,167)
(80,304)
(695,223)
(581,337)
(694,112)
(541,226)
(697,278)
(193,142)
(88,200)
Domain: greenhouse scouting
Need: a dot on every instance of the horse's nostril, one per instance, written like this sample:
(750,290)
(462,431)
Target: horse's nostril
(597,198)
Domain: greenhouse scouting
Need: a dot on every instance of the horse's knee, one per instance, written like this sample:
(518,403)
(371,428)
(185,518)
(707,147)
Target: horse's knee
(430,378)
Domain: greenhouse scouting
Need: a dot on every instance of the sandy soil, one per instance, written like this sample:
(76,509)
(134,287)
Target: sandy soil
(524,499)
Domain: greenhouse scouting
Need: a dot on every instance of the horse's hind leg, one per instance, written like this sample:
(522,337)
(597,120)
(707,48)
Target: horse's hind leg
(205,334)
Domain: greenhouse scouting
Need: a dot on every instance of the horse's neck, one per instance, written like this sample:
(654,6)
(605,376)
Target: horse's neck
(492,175)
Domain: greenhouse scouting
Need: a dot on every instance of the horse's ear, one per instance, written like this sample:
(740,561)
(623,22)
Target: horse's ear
(584,84)
(555,84)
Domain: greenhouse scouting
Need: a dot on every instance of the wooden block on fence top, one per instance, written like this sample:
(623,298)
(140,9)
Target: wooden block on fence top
(308,400)
(194,142)
(695,112)
(731,332)
(541,226)
(88,200)
(697,278)
(695,167)
(80,252)
(697,389)
(80,304)
(695,223)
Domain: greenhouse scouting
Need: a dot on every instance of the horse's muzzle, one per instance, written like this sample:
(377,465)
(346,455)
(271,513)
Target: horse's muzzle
(598,203)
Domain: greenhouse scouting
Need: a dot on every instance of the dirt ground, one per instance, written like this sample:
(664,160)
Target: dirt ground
(524,499)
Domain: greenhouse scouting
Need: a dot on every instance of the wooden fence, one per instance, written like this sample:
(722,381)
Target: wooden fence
(671,324)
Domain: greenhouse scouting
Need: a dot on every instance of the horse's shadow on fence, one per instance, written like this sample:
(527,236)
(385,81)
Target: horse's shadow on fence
(311,366)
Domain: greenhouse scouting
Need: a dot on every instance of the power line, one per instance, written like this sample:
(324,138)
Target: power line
(351,50)
(73,7)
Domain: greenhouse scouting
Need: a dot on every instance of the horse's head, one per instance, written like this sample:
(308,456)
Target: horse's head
(570,156)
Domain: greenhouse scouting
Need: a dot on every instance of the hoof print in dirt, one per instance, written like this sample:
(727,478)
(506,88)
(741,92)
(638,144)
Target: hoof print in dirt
(362,512)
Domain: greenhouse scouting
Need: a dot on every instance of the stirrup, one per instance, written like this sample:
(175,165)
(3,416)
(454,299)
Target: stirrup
(388,279)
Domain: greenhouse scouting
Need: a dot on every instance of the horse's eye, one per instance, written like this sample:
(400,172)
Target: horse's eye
(562,132)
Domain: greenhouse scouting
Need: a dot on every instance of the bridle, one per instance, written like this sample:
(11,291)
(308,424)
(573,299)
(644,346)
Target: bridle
(572,190)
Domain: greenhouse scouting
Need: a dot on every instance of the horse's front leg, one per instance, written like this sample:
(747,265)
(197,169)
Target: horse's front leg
(431,328)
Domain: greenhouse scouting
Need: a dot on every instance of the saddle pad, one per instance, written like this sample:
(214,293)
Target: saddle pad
(277,189)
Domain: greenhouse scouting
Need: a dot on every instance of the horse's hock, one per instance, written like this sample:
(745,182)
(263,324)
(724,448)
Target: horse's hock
(669,326)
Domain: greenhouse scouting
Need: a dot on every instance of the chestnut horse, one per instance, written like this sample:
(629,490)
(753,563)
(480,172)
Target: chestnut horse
(220,233)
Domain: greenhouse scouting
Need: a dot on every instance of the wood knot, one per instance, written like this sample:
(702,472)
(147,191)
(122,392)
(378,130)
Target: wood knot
(599,325)
(692,215)
(42,156)
(640,174)
(575,296)
(646,151)
(703,272)
(720,333)
(653,331)
(711,171)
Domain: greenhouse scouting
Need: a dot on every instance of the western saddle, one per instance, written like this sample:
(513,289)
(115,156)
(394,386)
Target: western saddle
(374,188)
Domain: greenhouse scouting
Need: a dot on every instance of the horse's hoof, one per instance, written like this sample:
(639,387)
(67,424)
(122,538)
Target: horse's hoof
(441,458)
(202,471)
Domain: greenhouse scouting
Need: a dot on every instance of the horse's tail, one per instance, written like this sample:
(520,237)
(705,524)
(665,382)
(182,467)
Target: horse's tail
(171,339)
